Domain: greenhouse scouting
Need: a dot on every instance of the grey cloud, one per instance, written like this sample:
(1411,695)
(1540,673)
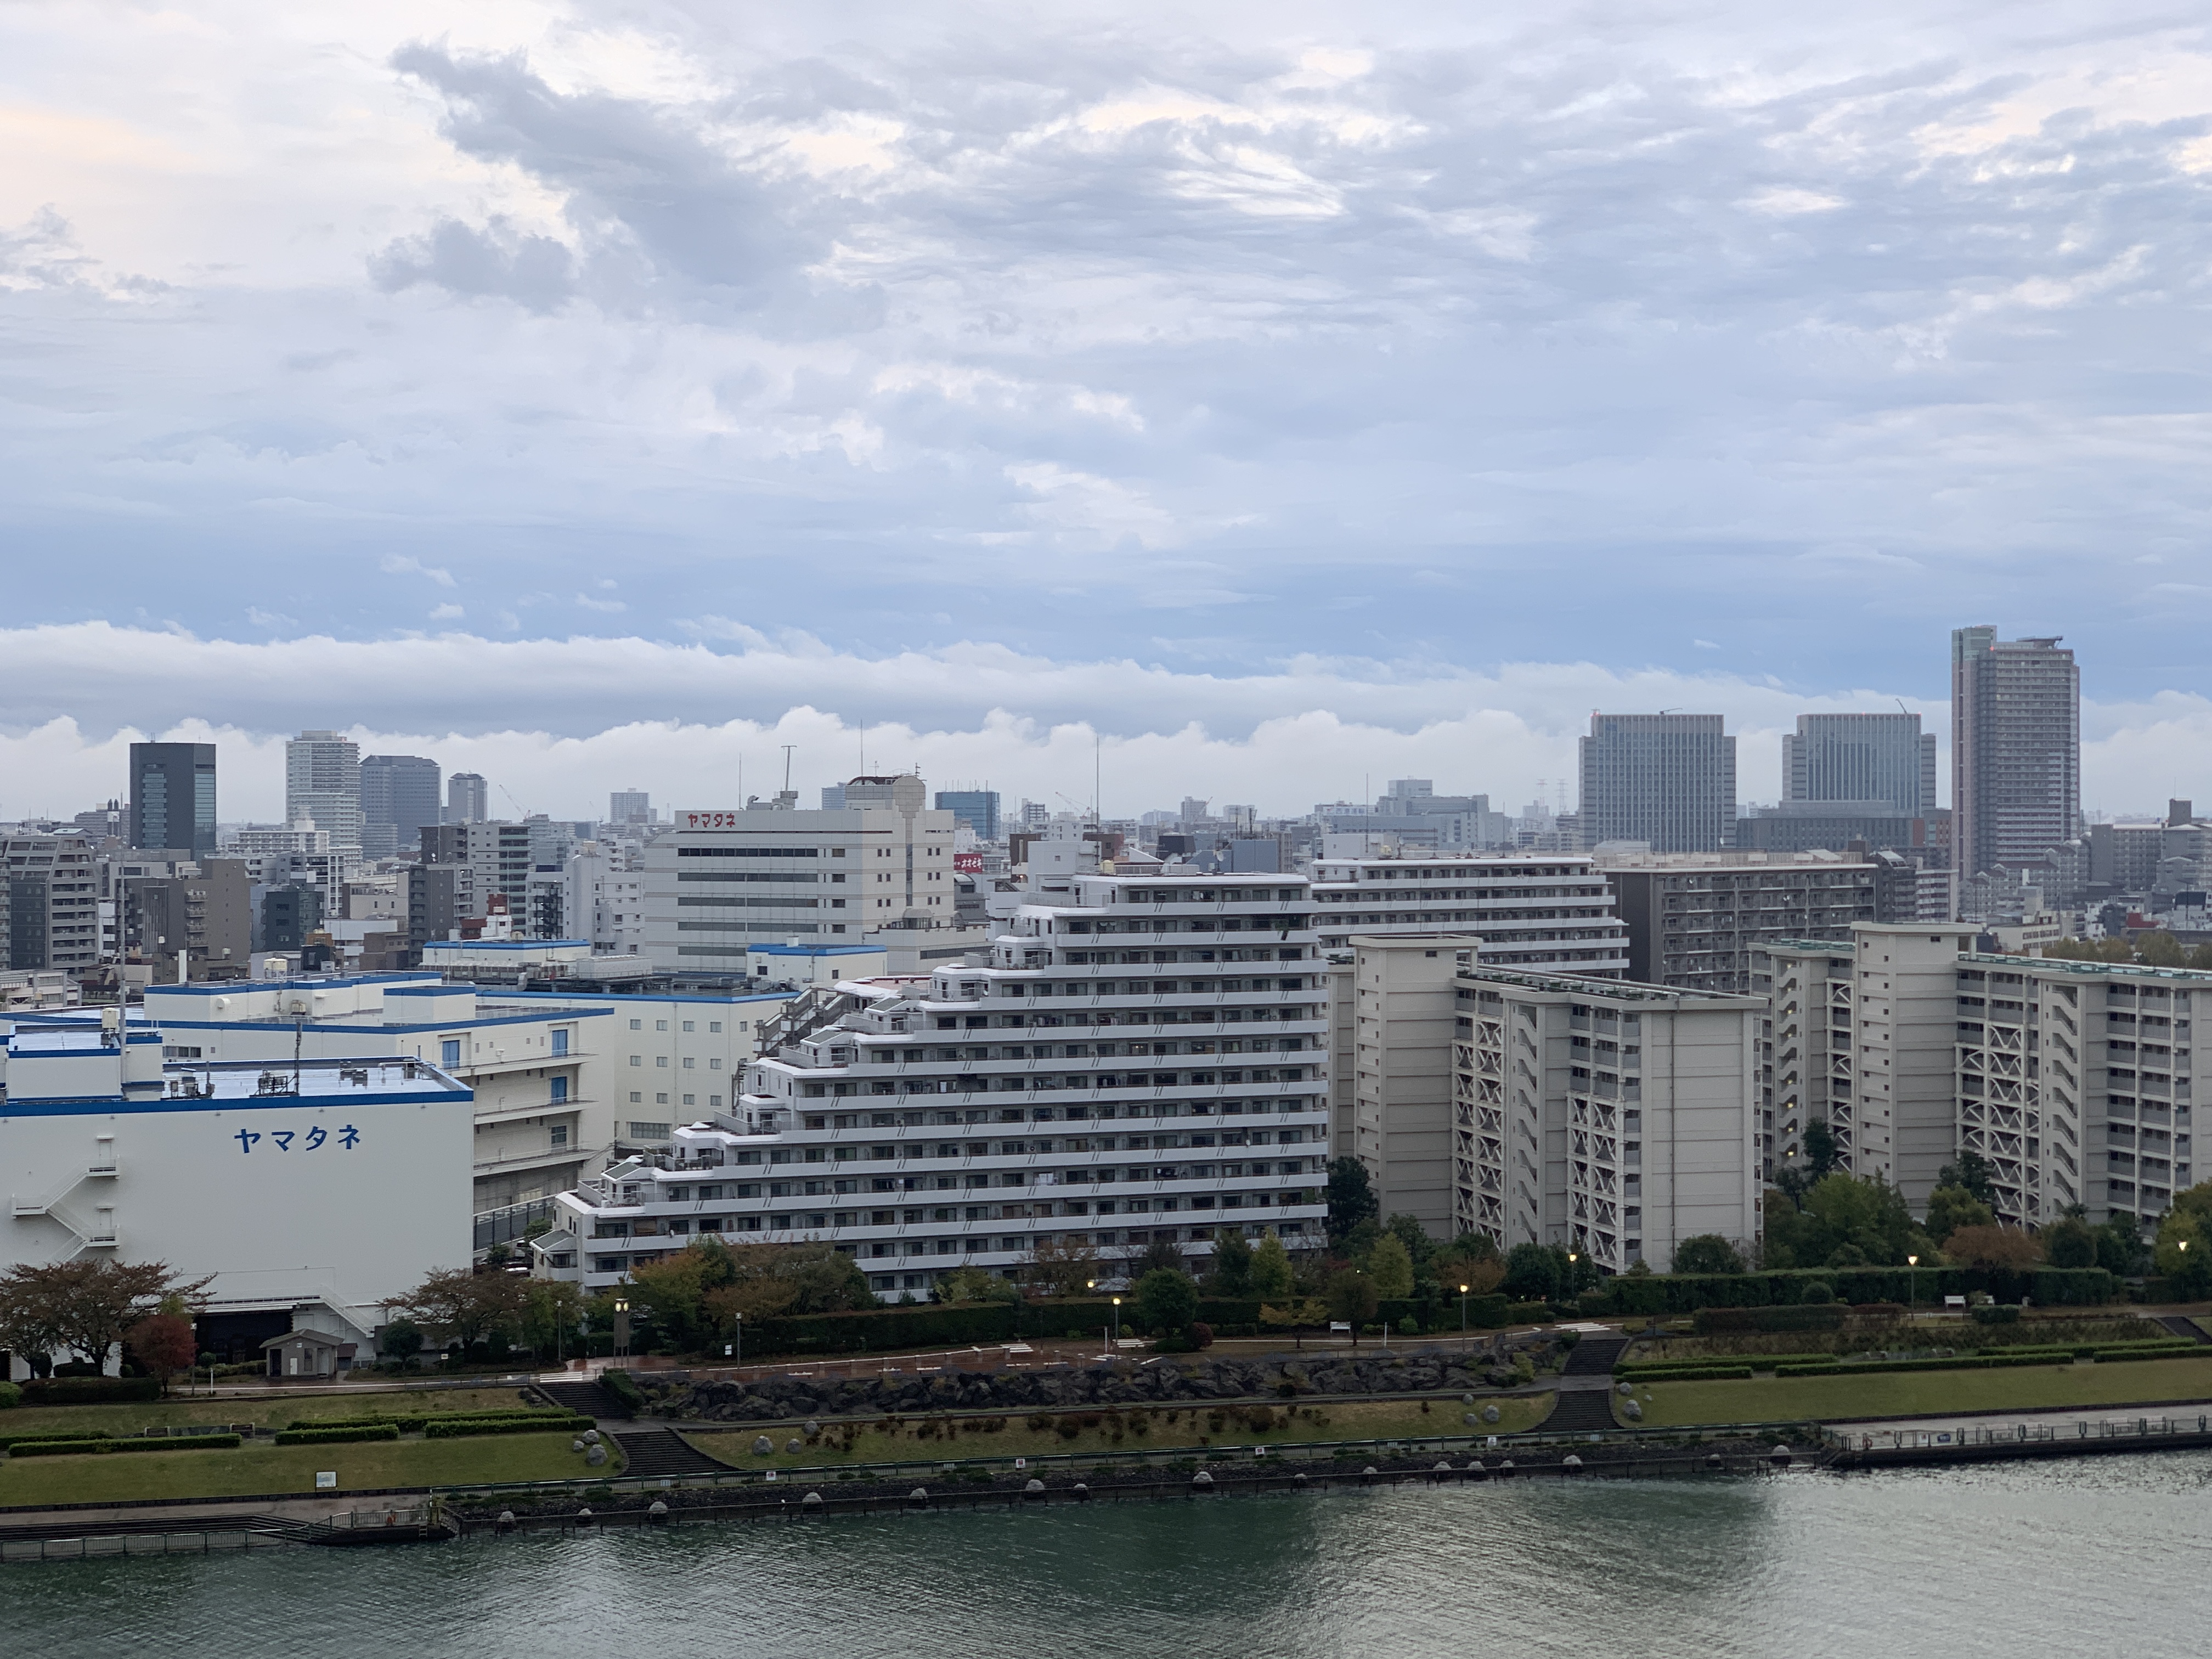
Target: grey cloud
(495,262)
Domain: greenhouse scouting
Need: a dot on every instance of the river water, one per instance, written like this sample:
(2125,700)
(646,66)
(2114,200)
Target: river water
(2089,1556)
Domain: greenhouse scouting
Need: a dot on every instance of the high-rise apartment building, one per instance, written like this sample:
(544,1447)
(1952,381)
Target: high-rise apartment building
(2015,749)
(52,899)
(629,806)
(322,782)
(976,808)
(1552,911)
(1862,759)
(1666,779)
(399,795)
(173,797)
(1698,920)
(467,798)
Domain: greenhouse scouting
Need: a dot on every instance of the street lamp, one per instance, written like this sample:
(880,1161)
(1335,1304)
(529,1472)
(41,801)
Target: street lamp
(622,1327)
(1462,1315)
(1913,1287)
(1117,1322)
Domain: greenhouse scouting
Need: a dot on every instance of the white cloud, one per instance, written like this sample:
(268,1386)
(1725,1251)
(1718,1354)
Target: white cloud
(401,564)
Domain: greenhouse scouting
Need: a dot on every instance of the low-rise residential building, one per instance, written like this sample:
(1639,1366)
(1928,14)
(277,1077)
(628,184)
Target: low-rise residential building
(1136,1062)
(1612,1118)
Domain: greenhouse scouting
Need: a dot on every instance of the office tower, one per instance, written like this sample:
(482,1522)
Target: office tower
(1864,759)
(1666,779)
(2015,749)
(173,797)
(468,798)
(399,796)
(322,782)
(976,808)
(629,806)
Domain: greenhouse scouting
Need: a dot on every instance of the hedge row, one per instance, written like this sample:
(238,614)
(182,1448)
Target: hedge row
(1682,1293)
(416,1423)
(334,1436)
(10,1442)
(1735,1373)
(1992,1361)
(1815,1316)
(66,1447)
(457,1429)
(89,1390)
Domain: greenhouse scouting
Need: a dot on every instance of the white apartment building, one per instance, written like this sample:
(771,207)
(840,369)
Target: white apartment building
(723,881)
(606,899)
(322,786)
(2075,1079)
(1398,1055)
(1135,1062)
(316,1192)
(562,1081)
(1612,1118)
(1544,911)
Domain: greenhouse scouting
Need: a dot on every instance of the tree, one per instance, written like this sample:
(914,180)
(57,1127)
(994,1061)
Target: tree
(1532,1273)
(2159,949)
(1475,1247)
(669,1296)
(1351,1198)
(1820,1142)
(1475,1275)
(1352,1298)
(86,1305)
(1271,1269)
(1846,1221)
(1950,1208)
(1232,1263)
(1167,1300)
(1984,1245)
(1971,1171)
(1390,1268)
(973,1284)
(2068,1242)
(551,1309)
(760,1281)
(2120,1247)
(1707,1253)
(1162,1252)
(401,1340)
(163,1343)
(1063,1264)
(465,1307)
(2184,1251)
(1407,1231)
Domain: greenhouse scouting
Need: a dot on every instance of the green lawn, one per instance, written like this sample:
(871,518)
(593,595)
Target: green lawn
(252,1470)
(1167,1428)
(163,1414)
(1839,1399)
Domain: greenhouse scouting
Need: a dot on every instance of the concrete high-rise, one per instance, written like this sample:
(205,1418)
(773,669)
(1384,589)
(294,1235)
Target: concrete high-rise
(2015,749)
(173,797)
(468,798)
(322,782)
(1862,758)
(399,796)
(629,806)
(1666,779)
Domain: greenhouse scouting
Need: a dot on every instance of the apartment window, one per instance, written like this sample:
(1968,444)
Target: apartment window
(559,1090)
(642,1131)
(660,1100)
(661,1061)
(635,1096)
(559,1135)
(637,1025)
(637,1060)
(714,1025)
(688,1026)
(660,1025)
(449,1051)
(689,1062)
(560,1042)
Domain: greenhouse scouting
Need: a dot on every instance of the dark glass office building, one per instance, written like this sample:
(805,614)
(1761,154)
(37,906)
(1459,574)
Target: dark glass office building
(173,797)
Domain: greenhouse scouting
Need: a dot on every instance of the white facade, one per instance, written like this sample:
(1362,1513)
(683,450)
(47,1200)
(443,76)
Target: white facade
(322,784)
(606,899)
(1548,912)
(1615,1119)
(342,1183)
(722,881)
(1403,1004)
(1112,1076)
(562,1081)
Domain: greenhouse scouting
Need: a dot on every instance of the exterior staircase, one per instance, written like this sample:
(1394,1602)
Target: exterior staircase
(584,1398)
(662,1452)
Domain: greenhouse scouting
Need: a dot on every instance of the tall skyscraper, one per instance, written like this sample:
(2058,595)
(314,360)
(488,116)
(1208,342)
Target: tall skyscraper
(1666,779)
(976,808)
(629,806)
(399,795)
(468,798)
(1861,757)
(322,782)
(173,797)
(2015,749)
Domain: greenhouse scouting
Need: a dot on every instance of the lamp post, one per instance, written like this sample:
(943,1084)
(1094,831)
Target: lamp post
(1573,1256)
(1462,1316)
(622,1327)
(1912,1288)
(1117,1322)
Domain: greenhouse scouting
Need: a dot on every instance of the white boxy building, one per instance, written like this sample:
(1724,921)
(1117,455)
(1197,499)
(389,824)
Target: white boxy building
(310,1195)
(561,1080)
(1136,1062)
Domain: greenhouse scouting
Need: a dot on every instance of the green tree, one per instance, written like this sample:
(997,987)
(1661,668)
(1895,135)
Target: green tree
(2200,956)
(1390,1268)
(1060,1265)
(1407,1231)
(401,1340)
(1351,1198)
(1707,1253)
(1820,1142)
(1987,1245)
(2159,949)
(1162,1252)
(1950,1208)
(1271,1275)
(1352,1298)
(87,1304)
(1846,1221)
(2067,1243)
(551,1309)
(976,1285)
(1476,1247)
(1232,1263)
(1531,1273)
(2184,1252)
(1167,1301)
(2120,1247)
(1972,1172)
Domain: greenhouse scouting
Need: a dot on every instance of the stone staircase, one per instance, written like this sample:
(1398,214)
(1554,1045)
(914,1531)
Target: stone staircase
(584,1398)
(661,1452)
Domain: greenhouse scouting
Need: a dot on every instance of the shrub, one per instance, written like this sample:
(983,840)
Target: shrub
(10,1441)
(73,1448)
(1202,1335)
(58,1448)
(1817,1293)
(618,1384)
(2006,1314)
(1528,1313)
(11,1395)
(89,1390)
(335,1435)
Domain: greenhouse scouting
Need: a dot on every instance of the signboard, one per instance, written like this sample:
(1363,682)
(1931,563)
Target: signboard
(326,1479)
(1339,1325)
(968,863)
(710,821)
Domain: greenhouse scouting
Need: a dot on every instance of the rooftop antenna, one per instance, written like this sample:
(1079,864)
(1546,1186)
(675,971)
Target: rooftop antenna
(864,748)
(788,748)
(1099,778)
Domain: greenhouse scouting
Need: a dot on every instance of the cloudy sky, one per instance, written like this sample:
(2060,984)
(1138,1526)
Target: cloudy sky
(1273,396)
